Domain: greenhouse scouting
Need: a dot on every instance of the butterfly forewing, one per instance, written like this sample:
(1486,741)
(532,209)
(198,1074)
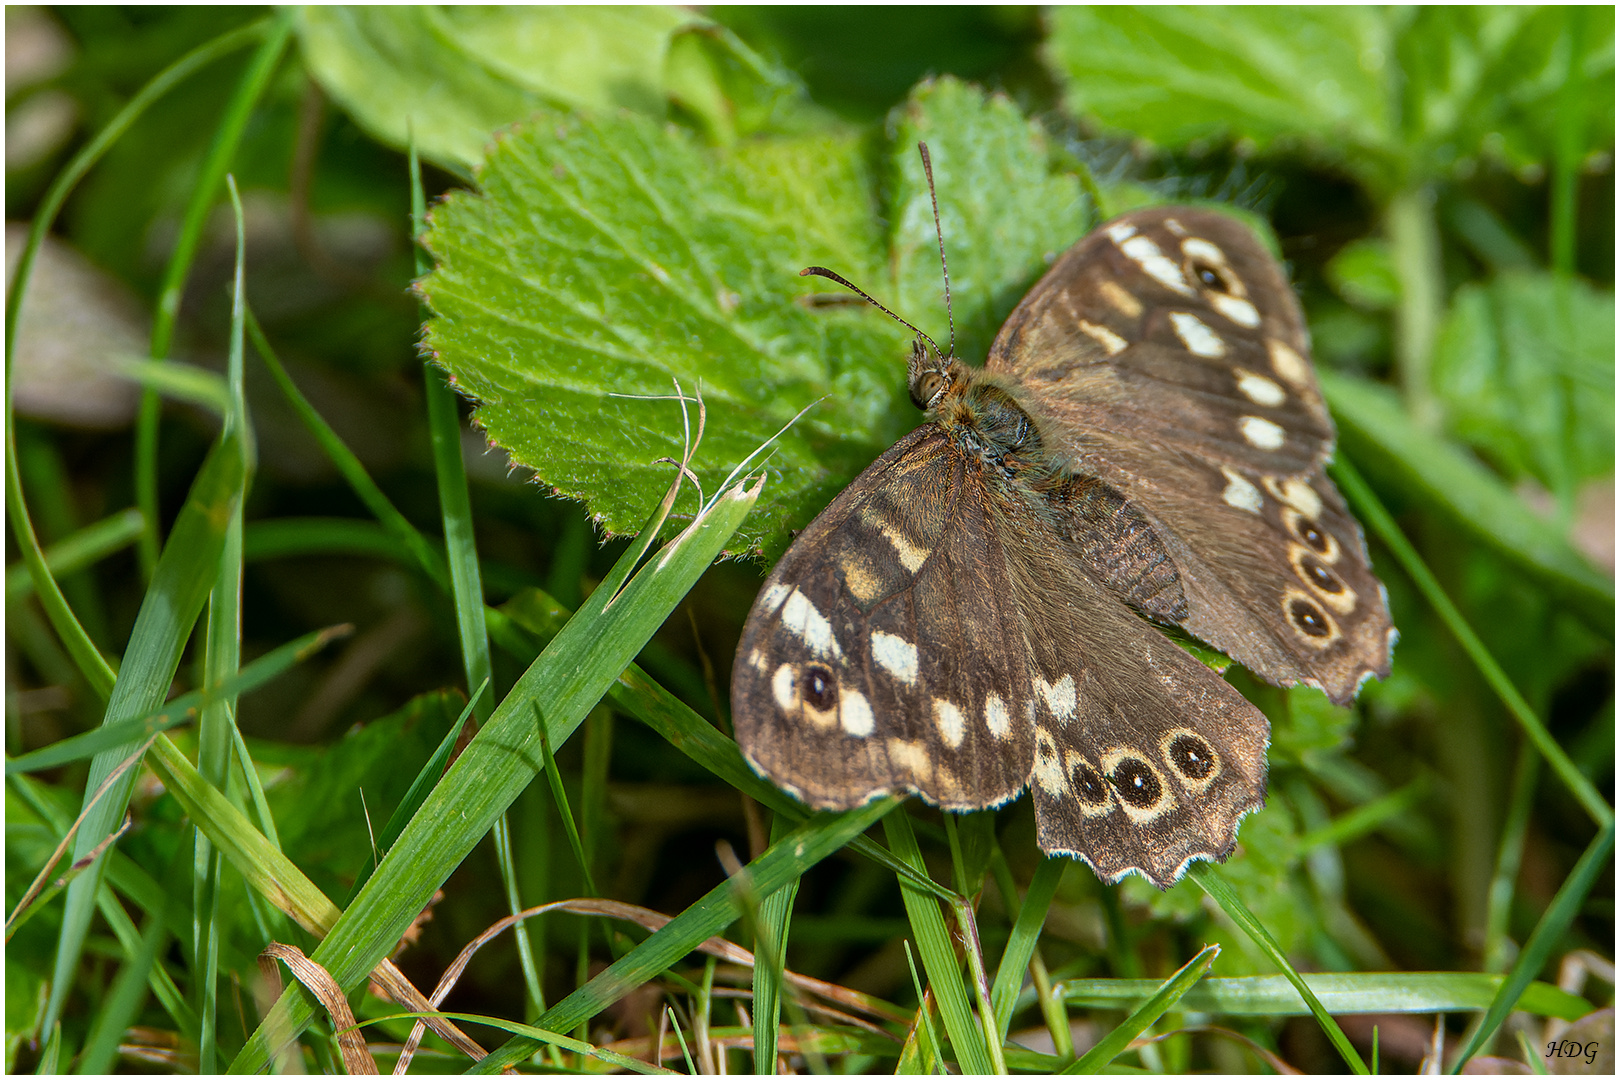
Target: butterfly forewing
(885,652)
(1165,356)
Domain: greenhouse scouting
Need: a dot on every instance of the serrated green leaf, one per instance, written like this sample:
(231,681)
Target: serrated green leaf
(1524,366)
(454,76)
(613,255)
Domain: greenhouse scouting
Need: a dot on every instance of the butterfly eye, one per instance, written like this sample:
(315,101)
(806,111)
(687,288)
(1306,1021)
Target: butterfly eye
(928,387)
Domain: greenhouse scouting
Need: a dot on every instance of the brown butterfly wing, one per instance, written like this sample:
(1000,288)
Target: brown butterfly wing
(1145,759)
(886,651)
(1166,356)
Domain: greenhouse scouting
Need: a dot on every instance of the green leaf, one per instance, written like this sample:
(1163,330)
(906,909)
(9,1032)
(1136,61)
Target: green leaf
(1524,366)
(1312,76)
(1442,476)
(611,256)
(1364,275)
(1395,97)
(455,76)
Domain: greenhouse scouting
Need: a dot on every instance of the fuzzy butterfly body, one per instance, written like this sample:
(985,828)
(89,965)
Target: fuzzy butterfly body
(969,617)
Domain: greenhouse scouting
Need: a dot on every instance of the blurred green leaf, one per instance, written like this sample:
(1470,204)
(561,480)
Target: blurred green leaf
(454,76)
(1524,366)
(611,256)
(1311,724)
(1435,470)
(1392,96)
(1364,275)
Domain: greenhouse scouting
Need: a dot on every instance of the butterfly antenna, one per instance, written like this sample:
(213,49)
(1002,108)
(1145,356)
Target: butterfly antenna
(822,271)
(928,170)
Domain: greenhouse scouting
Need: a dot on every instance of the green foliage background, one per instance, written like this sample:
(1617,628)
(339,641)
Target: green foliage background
(620,202)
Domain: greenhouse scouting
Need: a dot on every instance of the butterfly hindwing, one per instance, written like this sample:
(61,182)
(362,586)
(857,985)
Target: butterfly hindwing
(885,652)
(1145,759)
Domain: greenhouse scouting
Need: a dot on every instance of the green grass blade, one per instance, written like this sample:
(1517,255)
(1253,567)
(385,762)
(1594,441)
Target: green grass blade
(570,677)
(539,1034)
(184,578)
(222,638)
(86,657)
(1026,932)
(1341,993)
(348,465)
(266,870)
(122,1004)
(1173,989)
(1549,931)
(172,714)
(1379,522)
(204,193)
(73,553)
(783,862)
(1509,856)
(1209,879)
(933,940)
(924,1021)
(426,777)
(770,956)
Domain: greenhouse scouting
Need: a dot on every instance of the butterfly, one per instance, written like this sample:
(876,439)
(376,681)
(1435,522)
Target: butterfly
(974,614)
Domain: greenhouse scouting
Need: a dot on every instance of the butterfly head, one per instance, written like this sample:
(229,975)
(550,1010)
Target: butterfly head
(930,375)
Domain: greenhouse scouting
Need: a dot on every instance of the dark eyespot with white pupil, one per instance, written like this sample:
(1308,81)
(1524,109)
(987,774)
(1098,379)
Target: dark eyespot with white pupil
(1314,536)
(1088,785)
(1192,757)
(1321,576)
(1309,618)
(820,688)
(1136,783)
(1211,277)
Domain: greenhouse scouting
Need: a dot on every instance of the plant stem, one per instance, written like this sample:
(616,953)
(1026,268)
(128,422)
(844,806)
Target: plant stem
(1414,242)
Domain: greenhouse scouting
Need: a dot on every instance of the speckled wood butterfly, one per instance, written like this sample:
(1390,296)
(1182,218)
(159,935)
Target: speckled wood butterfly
(1146,441)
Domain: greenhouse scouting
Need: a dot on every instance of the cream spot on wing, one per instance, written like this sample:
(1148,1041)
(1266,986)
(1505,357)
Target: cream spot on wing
(1121,233)
(911,556)
(895,655)
(1048,765)
(1240,493)
(1117,295)
(951,723)
(1059,696)
(1261,433)
(1196,247)
(854,713)
(756,660)
(911,757)
(1296,493)
(784,687)
(774,597)
(996,717)
(1111,342)
(1199,339)
(1175,226)
(860,578)
(1288,363)
(1259,389)
(1235,308)
(800,617)
(1155,264)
